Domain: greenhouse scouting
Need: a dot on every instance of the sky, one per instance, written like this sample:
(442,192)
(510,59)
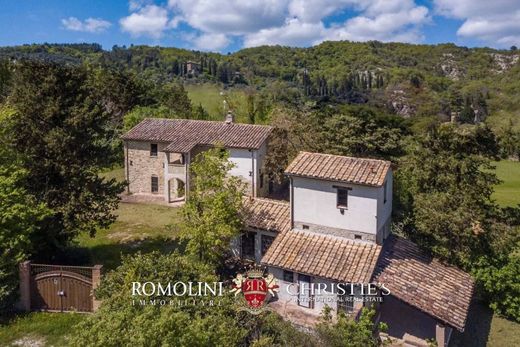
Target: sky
(229,25)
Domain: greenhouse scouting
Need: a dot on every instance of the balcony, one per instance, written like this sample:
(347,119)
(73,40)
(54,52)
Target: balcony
(177,169)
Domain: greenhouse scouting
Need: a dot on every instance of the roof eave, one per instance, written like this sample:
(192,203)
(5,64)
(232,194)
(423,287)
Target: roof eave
(333,180)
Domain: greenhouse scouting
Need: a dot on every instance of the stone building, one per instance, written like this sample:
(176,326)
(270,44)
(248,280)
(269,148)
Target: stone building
(158,153)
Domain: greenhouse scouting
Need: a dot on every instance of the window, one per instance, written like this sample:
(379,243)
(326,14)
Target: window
(346,304)
(153,150)
(305,227)
(266,242)
(357,237)
(155,184)
(261,180)
(248,245)
(342,198)
(384,192)
(304,292)
(288,276)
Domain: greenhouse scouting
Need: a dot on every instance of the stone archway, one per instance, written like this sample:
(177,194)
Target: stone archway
(176,190)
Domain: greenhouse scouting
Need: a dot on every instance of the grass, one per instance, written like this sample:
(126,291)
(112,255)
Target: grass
(139,227)
(212,97)
(486,329)
(38,329)
(507,193)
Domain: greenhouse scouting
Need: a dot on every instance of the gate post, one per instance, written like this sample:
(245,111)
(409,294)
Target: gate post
(96,280)
(25,285)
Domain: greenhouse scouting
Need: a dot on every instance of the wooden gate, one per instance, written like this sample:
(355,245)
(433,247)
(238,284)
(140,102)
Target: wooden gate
(57,288)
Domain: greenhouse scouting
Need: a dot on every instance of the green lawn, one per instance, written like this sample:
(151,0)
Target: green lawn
(483,329)
(212,97)
(139,227)
(508,192)
(38,329)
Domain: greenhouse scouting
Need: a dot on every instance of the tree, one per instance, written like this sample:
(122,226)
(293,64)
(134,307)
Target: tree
(62,138)
(347,332)
(509,140)
(175,97)
(200,113)
(139,113)
(120,323)
(212,212)
(118,91)
(444,192)
(5,78)
(359,131)
(498,276)
(20,217)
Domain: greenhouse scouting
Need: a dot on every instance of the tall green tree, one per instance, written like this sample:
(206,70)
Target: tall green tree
(444,191)
(62,138)
(20,217)
(175,97)
(212,213)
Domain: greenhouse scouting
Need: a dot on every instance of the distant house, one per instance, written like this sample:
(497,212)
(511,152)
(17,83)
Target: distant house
(336,229)
(193,68)
(158,153)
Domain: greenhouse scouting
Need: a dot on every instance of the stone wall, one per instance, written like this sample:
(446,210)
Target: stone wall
(140,167)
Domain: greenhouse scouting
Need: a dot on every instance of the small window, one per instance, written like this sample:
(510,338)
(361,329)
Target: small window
(288,276)
(155,184)
(261,180)
(153,150)
(248,245)
(342,198)
(346,304)
(266,242)
(305,227)
(357,237)
(384,192)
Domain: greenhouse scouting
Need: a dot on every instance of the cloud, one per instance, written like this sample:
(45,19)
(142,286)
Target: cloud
(399,24)
(150,20)
(293,33)
(495,22)
(287,22)
(89,25)
(236,17)
(383,20)
(210,42)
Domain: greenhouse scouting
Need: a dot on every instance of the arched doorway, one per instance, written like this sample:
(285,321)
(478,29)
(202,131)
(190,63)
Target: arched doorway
(176,189)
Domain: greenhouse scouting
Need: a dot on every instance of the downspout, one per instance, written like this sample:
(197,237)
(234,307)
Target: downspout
(291,197)
(187,185)
(127,168)
(253,173)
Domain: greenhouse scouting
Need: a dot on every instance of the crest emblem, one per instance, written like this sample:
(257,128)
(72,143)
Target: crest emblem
(256,288)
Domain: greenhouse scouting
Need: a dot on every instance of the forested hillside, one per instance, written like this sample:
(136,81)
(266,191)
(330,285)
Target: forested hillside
(407,80)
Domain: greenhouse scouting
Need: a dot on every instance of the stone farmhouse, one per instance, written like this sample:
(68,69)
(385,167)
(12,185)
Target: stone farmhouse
(158,153)
(334,230)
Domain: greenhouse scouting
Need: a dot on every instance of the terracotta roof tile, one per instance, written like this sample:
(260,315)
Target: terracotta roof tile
(339,168)
(268,214)
(412,276)
(184,134)
(325,256)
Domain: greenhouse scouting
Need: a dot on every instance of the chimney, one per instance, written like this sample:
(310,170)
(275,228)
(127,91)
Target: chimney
(230,118)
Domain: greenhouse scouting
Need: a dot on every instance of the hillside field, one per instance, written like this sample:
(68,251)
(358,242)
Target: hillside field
(507,193)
